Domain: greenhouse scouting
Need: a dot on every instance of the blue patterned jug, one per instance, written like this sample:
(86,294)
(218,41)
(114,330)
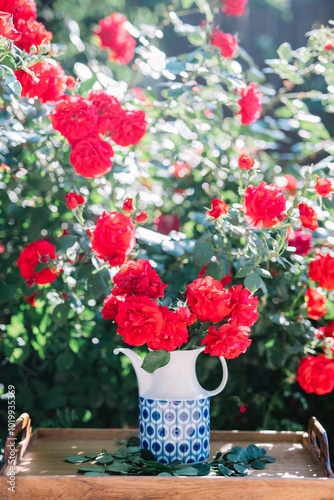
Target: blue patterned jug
(174,409)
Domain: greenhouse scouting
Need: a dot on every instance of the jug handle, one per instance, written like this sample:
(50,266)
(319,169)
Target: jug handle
(224,380)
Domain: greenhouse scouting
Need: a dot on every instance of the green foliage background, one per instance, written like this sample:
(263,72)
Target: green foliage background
(59,355)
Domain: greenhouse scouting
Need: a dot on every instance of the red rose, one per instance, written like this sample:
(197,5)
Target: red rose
(33,33)
(114,237)
(289,184)
(225,42)
(110,306)
(166,223)
(234,7)
(91,157)
(21,9)
(142,216)
(218,208)
(243,306)
(264,205)
(326,331)
(73,200)
(246,161)
(7,27)
(316,375)
(128,205)
(179,169)
(33,254)
(138,278)
(70,82)
(131,129)
(138,93)
(115,37)
(109,112)
(316,304)
(250,104)
(32,299)
(74,117)
(301,241)
(51,84)
(328,46)
(208,299)
(174,331)
(139,320)
(308,217)
(324,188)
(228,341)
(321,269)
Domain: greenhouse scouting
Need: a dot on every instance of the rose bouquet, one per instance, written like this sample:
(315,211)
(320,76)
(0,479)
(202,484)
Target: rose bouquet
(141,319)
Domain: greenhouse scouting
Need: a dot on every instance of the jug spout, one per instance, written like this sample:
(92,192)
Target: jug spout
(143,377)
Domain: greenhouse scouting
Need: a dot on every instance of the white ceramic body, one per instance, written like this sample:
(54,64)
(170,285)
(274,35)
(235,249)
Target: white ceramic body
(174,409)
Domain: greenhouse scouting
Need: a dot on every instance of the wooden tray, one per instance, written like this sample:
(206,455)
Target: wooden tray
(301,471)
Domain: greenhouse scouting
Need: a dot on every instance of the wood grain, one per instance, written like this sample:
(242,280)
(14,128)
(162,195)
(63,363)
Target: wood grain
(160,488)
(46,456)
(44,475)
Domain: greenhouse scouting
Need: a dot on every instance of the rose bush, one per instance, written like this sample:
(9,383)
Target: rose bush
(258,159)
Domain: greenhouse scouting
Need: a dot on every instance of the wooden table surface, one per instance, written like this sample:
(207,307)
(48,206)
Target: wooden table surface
(43,474)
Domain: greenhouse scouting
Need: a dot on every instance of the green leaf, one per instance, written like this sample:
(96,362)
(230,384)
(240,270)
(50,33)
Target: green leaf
(253,281)
(155,359)
(258,464)
(238,454)
(186,4)
(203,469)
(133,441)
(16,88)
(91,455)
(60,314)
(164,474)
(269,459)
(242,469)
(76,459)
(174,463)
(64,361)
(87,85)
(215,270)
(176,67)
(176,92)
(118,467)
(244,271)
(187,471)
(96,285)
(9,62)
(104,459)
(203,252)
(197,39)
(263,272)
(254,452)
(284,51)
(90,469)
(66,242)
(147,455)
(225,471)
(155,464)
(132,449)
(95,474)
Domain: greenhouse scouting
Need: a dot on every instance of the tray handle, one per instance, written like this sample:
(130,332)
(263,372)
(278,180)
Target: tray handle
(23,423)
(317,431)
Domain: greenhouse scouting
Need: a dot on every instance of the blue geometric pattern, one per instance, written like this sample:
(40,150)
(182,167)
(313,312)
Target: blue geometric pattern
(175,430)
